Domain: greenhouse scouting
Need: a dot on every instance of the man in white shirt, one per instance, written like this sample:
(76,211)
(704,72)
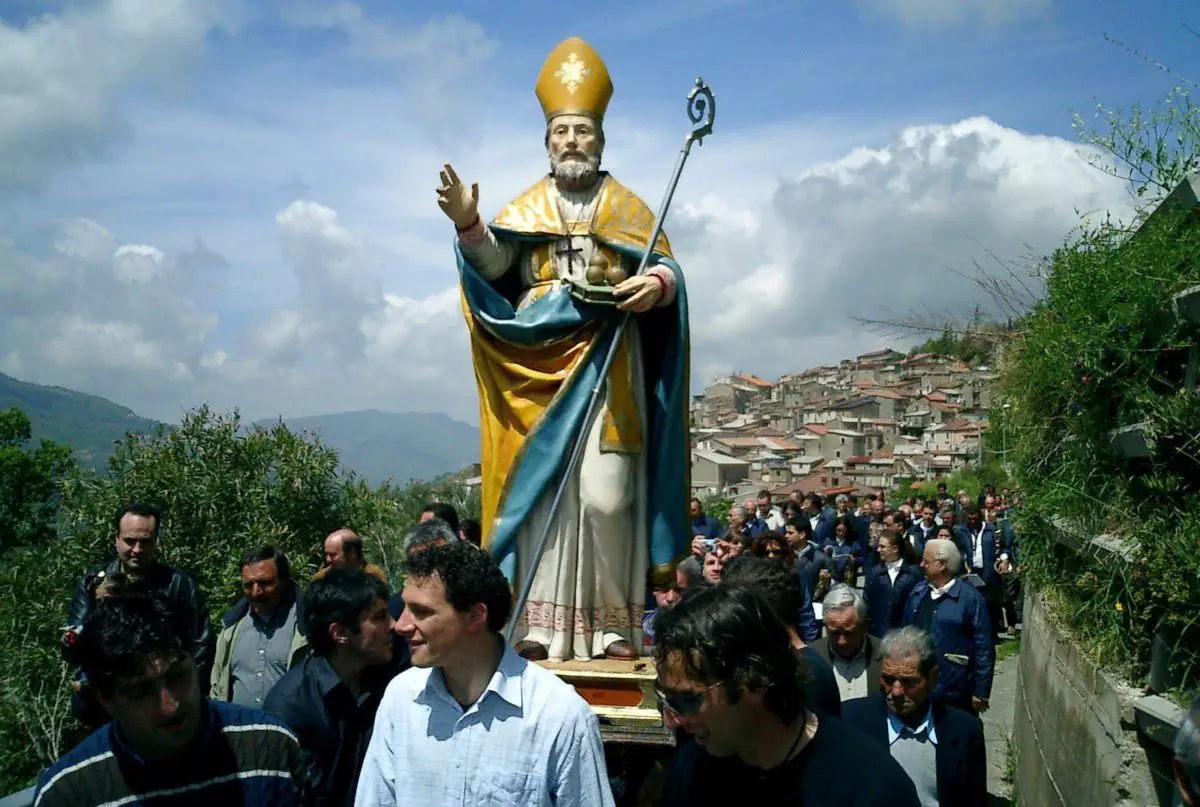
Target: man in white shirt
(924,530)
(472,722)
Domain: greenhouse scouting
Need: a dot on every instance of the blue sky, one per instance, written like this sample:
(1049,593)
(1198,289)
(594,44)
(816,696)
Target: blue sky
(273,165)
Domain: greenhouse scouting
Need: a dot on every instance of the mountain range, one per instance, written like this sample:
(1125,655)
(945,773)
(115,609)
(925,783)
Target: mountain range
(377,445)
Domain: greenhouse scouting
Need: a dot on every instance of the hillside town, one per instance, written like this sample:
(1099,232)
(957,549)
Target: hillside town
(875,421)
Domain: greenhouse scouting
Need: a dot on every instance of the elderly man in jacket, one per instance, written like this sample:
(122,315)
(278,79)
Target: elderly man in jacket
(262,636)
(940,748)
(956,614)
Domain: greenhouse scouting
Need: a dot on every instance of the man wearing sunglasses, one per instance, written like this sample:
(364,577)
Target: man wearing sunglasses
(728,677)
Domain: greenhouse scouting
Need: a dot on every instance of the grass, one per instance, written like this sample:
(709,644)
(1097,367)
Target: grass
(1008,648)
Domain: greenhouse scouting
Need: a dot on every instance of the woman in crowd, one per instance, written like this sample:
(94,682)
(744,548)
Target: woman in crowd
(889,582)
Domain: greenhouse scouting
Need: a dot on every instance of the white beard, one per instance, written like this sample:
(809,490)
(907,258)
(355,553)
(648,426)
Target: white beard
(575,174)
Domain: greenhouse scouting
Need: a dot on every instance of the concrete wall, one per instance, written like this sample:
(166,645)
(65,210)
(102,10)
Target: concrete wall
(1075,738)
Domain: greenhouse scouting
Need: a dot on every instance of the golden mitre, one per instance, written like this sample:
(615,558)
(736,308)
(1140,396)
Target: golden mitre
(574,81)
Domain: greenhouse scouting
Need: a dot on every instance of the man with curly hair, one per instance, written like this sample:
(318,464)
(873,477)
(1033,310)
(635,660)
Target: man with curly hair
(473,722)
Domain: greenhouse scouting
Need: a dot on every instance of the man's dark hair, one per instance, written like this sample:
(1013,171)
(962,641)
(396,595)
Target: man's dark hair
(728,634)
(137,509)
(735,563)
(268,552)
(764,494)
(941,485)
(801,524)
(445,512)
(780,586)
(426,533)
(696,502)
(353,546)
(341,597)
(469,575)
(122,635)
(817,500)
(972,509)
(472,532)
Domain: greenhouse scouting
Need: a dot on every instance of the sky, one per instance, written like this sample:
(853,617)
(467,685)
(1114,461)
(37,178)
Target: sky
(233,201)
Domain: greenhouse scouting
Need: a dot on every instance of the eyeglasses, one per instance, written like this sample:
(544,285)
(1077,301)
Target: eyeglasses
(683,704)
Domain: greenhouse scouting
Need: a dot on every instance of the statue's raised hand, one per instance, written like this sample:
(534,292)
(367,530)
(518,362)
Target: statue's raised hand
(457,201)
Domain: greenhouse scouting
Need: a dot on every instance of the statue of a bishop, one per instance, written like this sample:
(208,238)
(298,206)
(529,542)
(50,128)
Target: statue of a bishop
(538,352)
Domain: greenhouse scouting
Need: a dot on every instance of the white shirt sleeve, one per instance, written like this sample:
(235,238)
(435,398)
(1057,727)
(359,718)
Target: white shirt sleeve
(582,774)
(377,780)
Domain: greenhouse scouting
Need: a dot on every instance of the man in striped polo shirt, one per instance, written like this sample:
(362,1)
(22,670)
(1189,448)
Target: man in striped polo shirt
(166,744)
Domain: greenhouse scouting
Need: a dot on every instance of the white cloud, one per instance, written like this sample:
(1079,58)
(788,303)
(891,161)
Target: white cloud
(64,74)
(939,13)
(138,263)
(881,232)
(348,299)
(439,63)
(775,277)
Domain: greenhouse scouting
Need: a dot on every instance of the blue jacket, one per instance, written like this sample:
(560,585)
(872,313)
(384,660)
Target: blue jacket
(917,533)
(885,599)
(963,537)
(807,624)
(809,565)
(961,761)
(960,627)
(707,526)
(822,528)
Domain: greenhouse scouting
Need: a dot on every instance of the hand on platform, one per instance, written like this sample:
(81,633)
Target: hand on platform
(457,201)
(641,293)
(980,705)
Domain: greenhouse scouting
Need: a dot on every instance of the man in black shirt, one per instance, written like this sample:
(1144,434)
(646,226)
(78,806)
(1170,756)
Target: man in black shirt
(331,699)
(727,675)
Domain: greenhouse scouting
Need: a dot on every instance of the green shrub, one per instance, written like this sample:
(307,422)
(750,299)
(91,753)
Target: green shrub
(1104,350)
(224,488)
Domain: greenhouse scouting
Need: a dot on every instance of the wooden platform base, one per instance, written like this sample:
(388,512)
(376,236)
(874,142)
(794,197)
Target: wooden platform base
(621,693)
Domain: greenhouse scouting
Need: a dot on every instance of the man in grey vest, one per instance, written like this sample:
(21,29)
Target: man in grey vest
(262,636)
(941,748)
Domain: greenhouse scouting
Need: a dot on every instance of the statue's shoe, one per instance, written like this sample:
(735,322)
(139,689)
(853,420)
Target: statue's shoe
(621,650)
(531,650)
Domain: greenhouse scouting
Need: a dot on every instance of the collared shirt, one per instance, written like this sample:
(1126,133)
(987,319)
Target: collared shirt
(851,674)
(936,594)
(260,654)
(530,740)
(898,728)
(893,569)
(977,548)
(333,725)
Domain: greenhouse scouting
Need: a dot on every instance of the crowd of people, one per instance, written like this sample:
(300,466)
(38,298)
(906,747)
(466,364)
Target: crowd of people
(788,676)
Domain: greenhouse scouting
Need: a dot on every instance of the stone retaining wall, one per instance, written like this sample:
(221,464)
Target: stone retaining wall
(1075,737)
